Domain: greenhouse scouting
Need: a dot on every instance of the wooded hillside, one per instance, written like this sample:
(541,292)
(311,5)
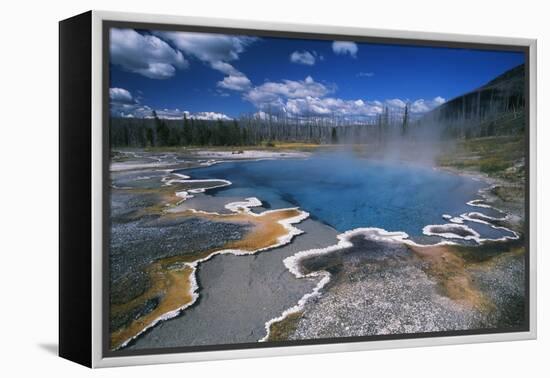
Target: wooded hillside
(496,108)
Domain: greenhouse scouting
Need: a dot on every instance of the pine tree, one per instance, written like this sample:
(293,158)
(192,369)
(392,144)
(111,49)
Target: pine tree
(187,131)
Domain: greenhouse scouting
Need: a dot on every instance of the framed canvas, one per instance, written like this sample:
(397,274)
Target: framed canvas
(233,188)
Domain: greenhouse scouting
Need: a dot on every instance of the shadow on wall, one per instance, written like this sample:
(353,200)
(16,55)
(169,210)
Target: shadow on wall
(52,348)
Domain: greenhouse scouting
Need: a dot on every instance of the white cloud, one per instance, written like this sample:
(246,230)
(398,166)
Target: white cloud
(274,93)
(130,110)
(295,98)
(216,50)
(121,96)
(345,47)
(330,106)
(422,106)
(303,57)
(396,103)
(210,116)
(309,98)
(277,98)
(365,74)
(176,114)
(179,114)
(439,100)
(124,105)
(146,55)
(144,111)
(235,82)
(225,68)
(168,113)
(208,47)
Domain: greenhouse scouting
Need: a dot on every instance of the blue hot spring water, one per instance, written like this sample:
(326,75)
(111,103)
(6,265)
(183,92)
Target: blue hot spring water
(347,193)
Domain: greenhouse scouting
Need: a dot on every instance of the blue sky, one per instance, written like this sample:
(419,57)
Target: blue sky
(223,76)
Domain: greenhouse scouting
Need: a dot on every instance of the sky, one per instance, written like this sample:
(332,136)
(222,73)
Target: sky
(220,76)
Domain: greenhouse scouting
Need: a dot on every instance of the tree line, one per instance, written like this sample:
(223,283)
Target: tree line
(251,130)
(157,132)
(488,111)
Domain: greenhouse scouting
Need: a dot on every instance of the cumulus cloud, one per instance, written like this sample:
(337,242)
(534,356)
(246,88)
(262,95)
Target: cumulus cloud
(422,106)
(275,93)
(124,105)
(303,98)
(235,82)
(345,47)
(225,68)
(417,106)
(121,96)
(330,106)
(144,54)
(144,111)
(208,47)
(310,98)
(303,57)
(216,50)
(209,116)
(176,114)
(179,114)
(396,103)
(130,110)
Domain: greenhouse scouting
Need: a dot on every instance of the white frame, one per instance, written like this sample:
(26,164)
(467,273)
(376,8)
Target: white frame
(97,191)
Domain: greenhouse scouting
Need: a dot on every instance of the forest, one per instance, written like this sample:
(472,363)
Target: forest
(249,131)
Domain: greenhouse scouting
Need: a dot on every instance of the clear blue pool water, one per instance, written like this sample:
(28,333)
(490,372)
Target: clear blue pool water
(348,193)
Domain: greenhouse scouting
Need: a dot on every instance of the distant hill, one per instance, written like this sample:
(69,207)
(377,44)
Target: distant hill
(496,108)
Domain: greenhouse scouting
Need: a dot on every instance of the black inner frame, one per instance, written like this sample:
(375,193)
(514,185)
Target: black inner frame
(106,224)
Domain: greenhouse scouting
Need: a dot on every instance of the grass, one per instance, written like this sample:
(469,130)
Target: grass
(273,145)
(500,156)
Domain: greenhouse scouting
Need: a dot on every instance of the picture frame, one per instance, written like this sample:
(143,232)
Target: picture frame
(85,177)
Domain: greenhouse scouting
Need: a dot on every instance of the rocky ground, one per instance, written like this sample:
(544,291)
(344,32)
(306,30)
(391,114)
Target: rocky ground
(375,289)
(238,295)
(380,288)
(138,239)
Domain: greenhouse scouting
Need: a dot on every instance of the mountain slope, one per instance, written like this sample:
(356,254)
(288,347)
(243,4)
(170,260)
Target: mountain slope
(495,108)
